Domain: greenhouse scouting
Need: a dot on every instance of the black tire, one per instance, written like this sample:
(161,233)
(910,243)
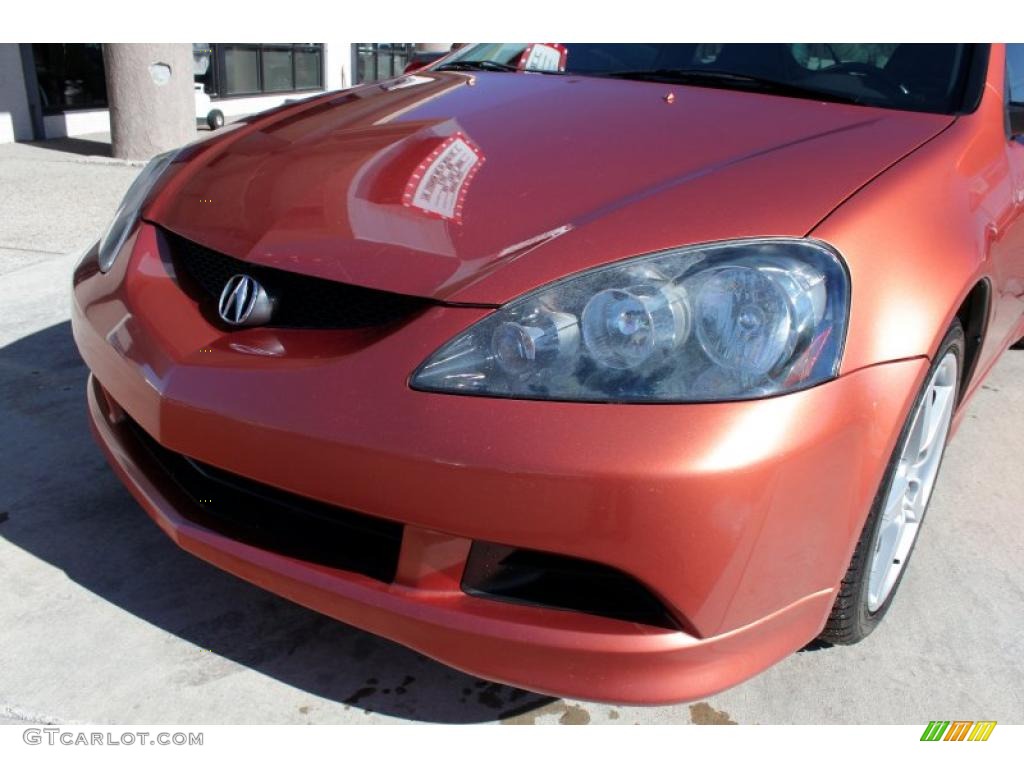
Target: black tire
(215,119)
(851,620)
(1018,345)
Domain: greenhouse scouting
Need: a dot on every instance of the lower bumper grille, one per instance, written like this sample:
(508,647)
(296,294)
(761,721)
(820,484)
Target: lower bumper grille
(281,522)
(294,526)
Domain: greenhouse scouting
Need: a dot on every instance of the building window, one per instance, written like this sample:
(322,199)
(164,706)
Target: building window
(309,68)
(378,61)
(278,74)
(70,75)
(239,69)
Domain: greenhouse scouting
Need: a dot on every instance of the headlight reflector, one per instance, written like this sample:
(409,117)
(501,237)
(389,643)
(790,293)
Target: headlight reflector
(726,321)
(544,341)
(623,328)
(127,214)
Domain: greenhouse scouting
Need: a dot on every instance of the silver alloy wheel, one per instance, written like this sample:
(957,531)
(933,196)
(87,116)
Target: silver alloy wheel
(913,482)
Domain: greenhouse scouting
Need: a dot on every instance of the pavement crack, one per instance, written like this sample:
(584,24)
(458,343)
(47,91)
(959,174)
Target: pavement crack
(22,249)
(17,713)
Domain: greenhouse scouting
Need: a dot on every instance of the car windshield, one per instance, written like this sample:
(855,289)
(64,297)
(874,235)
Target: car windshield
(923,77)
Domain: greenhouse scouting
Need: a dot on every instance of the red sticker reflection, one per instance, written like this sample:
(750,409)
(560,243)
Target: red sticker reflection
(439,184)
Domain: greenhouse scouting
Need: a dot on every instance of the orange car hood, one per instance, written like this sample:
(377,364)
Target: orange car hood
(476,188)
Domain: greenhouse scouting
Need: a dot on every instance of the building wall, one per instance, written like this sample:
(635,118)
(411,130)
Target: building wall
(15,119)
(338,69)
(76,122)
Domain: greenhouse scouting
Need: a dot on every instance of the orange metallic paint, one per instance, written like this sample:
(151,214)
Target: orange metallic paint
(740,516)
(943,219)
(615,169)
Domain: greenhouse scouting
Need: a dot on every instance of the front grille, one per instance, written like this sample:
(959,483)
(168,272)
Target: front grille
(277,521)
(301,301)
(542,579)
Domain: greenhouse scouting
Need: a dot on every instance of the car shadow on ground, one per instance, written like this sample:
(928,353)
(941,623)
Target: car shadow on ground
(68,509)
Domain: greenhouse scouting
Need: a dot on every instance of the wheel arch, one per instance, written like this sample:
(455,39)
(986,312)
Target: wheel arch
(973,314)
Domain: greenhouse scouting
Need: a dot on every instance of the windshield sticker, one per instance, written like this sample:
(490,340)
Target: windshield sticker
(545,57)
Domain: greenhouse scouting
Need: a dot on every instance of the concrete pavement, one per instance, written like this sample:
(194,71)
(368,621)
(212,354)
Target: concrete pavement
(103,619)
(54,196)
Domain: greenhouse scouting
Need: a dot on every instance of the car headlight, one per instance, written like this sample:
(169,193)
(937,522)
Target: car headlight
(726,321)
(127,215)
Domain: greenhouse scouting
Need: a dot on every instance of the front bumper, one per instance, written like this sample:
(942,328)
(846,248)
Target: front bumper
(739,517)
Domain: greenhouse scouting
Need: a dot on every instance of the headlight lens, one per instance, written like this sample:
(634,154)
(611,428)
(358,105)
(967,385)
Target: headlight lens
(727,321)
(128,213)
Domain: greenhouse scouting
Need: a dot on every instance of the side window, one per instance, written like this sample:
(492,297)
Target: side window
(1015,72)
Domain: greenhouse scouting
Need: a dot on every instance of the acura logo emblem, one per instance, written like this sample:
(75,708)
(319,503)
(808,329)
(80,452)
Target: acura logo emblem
(244,302)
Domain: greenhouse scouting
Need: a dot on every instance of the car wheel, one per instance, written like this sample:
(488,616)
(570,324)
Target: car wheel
(880,558)
(215,119)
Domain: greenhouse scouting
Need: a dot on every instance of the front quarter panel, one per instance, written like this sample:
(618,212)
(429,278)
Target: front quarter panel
(923,234)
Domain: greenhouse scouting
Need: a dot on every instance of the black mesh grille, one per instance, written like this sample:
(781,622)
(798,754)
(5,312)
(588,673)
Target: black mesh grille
(300,301)
(278,521)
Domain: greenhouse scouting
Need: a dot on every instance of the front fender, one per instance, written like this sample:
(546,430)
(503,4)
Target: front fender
(919,237)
